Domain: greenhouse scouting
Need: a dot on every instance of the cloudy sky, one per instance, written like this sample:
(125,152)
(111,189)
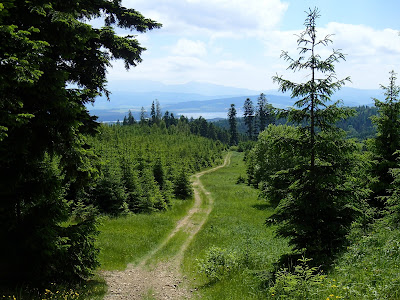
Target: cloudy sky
(238,42)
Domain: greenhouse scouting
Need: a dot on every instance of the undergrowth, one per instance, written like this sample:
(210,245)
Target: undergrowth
(94,289)
(368,269)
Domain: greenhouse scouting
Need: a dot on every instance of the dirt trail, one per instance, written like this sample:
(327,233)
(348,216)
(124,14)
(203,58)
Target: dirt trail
(164,281)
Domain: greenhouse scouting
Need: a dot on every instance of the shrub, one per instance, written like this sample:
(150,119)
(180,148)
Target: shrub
(218,263)
(302,283)
(76,254)
(182,186)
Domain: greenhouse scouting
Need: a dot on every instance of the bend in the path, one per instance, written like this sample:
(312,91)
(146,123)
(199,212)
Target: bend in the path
(186,221)
(164,279)
(198,188)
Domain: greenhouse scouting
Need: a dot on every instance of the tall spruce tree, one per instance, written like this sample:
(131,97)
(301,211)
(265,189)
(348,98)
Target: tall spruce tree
(387,142)
(321,194)
(153,113)
(263,112)
(234,136)
(248,115)
(142,116)
(158,112)
(53,63)
(131,119)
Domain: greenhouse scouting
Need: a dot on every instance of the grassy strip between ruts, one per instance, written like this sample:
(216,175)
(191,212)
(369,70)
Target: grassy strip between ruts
(127,239)
(234,247)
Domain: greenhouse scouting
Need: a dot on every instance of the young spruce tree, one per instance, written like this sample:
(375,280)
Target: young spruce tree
(387,142)
(320,197)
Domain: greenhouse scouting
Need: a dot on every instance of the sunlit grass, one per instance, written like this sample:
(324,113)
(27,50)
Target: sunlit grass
(149,295)
(127,239)
(236,224)
(370,268)
(171,248)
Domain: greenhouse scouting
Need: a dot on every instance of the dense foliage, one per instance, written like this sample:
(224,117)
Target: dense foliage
(143,168)
(387,142)
(198,126)
(313,182)
(52,63)
(367,269)
(360,125)
(270,154)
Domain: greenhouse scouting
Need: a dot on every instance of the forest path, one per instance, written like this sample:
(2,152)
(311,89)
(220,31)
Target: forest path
(163,279)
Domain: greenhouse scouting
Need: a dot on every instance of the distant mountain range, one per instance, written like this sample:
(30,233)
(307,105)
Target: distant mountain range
(196,99)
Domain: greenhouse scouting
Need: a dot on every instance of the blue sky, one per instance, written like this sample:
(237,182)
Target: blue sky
(238,42)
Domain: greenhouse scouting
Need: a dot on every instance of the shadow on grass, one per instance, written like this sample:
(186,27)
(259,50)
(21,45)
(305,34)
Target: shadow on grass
(94,288)
(206,285)
(263,206)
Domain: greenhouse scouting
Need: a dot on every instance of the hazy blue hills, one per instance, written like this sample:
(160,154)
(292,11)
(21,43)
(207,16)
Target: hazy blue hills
(200,99)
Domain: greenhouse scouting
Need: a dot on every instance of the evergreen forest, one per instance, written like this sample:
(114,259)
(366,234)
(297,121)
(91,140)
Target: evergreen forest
(294,203)
(142,168)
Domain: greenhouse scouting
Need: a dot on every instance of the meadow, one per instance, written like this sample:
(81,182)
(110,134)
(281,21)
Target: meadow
(235,254)
(231,258)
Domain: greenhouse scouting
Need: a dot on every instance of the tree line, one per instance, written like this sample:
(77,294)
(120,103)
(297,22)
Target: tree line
(255,119)
(199,126)
(358,126)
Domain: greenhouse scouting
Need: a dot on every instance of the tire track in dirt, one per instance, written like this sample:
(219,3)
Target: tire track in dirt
(164,281)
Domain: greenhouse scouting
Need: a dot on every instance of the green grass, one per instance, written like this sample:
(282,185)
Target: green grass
(170,249)
(121,241)
(127,239)
(370,268)
(236,225)
(149,295)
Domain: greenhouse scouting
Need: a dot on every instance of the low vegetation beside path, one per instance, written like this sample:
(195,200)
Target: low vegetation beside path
(232,256)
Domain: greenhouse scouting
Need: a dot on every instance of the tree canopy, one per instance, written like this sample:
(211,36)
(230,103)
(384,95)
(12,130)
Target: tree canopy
(52,63)
(386,144)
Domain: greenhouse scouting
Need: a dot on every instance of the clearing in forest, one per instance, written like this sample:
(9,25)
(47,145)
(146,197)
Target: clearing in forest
(158,275)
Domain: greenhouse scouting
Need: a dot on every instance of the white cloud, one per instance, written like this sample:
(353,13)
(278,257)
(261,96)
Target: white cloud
(232,65)
(370,53)
(277,41)
(213,17)
(365,43)
(186,47)
(202,40)
(179,69)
